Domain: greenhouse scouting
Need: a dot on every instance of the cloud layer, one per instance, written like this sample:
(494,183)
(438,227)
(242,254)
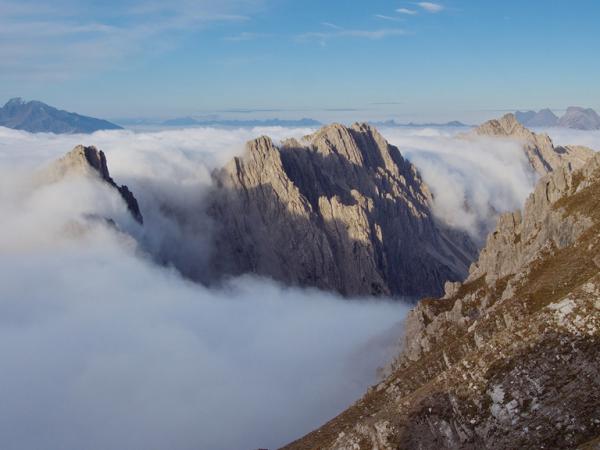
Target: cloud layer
(100,344)
(472,179)
(103,348)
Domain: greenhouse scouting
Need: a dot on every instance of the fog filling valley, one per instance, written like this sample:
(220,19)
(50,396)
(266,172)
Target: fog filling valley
(105,343)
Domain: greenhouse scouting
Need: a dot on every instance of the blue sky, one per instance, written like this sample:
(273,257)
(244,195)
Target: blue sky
(461,59)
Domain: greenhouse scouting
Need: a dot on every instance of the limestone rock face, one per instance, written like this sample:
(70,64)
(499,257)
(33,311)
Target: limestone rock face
(543,156)
(89,161)
(341,210)
(508,359)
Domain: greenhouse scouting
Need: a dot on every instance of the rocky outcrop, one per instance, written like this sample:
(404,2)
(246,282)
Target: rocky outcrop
(580,119)
(340,210)
(509,358)
(543,156)
(88,161)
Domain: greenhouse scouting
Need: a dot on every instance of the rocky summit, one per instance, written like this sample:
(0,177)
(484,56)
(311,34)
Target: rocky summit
(543,156)
(89,161)
(510,358)
(341,210)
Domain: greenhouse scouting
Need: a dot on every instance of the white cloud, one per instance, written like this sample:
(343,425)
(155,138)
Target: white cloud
(410,12)
(246,36)
(343,33)
(103,348)
(59,42)
(431,7)
(390,18)
(331,25)
(472,179)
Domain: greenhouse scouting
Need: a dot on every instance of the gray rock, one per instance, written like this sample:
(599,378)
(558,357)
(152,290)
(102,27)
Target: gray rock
(88,161)
(543,156)
(341,210)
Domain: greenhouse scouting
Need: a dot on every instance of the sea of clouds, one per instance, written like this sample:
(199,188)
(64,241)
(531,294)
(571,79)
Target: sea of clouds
(102,348)
(104,341)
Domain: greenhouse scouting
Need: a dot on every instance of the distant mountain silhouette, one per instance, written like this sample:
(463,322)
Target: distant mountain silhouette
(575,117)
(393,123)
(37,117)
(190,121)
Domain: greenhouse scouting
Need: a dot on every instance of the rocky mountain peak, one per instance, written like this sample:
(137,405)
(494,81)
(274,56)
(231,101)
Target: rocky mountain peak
(89,161)
(509,358)
(543,156)
(507,125)
(340,209)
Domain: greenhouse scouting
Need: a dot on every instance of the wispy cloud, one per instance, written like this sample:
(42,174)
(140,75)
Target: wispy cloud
(246,36)
(323,37)
(409,12)
(68,38)
(431,7)
(331,25)
(390,18)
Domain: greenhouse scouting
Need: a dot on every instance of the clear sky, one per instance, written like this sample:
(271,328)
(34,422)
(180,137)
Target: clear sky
(449,59)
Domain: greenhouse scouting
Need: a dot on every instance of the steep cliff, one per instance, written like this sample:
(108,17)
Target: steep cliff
(508,359)
(341,210)
(541,152)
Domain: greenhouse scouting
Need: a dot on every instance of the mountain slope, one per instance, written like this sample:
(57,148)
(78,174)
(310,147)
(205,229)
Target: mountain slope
(37,117)
(543,156)
(341,210)
(510,358)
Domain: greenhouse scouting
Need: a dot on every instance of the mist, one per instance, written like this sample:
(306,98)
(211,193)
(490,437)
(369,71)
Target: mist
(106,343)
(101,347)
(473,179)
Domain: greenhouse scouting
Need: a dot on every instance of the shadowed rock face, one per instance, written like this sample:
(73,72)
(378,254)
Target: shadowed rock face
(89,161)
(509,358)
(543,156)
(341,210)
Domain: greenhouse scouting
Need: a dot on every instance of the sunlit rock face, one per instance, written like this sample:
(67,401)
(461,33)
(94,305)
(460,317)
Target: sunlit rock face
(543,156)
(89,162)
(509,358)
(340,209)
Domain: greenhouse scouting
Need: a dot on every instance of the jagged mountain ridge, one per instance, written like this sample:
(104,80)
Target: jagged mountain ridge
(341,210)
(574,117)
(543,156)
(509,358)
(37,117)
(88,161)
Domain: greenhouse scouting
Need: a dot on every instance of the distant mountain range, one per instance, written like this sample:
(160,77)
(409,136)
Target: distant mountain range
(575,117)
(215,122)
(393,123)
(37,117)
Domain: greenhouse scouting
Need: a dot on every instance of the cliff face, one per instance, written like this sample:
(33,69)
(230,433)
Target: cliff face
(543,156)
(89,161)
(510,358)
(341,210)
